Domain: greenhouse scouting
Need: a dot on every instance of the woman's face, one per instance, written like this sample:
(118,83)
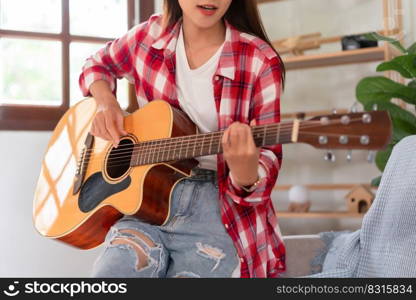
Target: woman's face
(204,13)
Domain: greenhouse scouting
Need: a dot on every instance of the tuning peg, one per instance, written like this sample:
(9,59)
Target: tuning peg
(371,156)
(375,107)
(334,111)
(354,107)
(349,156)
(330,156)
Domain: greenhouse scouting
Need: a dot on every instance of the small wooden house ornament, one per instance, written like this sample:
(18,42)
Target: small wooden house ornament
(359,199)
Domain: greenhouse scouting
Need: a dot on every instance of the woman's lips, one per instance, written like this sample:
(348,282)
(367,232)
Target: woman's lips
(207,10)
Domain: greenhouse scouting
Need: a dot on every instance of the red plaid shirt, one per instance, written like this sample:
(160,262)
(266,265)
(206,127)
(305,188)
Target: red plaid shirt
(247,85)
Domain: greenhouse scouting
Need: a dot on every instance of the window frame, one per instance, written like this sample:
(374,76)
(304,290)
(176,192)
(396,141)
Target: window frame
(42,117)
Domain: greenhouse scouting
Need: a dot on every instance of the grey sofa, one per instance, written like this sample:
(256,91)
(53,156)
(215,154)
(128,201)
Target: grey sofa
(301,254)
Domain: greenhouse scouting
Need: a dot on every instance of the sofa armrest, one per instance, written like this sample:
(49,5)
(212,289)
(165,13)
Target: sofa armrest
(304,255)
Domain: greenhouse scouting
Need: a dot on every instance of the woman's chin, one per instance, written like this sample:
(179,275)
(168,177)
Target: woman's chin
(204,22)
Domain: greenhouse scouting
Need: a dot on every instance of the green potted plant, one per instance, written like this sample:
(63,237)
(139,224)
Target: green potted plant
(378,92)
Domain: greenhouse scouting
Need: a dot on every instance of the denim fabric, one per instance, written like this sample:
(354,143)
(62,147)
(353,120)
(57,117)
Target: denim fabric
(192,243)
(385,246)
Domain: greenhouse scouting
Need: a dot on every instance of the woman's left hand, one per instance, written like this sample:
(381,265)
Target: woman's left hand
(241,153)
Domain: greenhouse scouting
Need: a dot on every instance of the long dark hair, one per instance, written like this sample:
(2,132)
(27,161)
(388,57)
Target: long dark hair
(242,14)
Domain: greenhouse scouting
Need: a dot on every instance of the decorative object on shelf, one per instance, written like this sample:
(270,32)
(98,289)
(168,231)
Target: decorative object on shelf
(379,92)
(299,199)
(359,199)
(357,41)
(298,44)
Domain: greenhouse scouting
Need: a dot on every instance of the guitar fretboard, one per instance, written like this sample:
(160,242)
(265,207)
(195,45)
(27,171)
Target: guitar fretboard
(191,146)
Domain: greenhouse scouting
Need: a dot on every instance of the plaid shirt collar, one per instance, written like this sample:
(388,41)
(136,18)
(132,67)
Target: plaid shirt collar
(226,67)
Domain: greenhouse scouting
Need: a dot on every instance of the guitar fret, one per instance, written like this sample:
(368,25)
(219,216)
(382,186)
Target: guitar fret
(168,156)
(202,146)
(210,144)
(264,134)
(146,155)
(180,149)
(149,156)
(219,142)
(136,153)
(152,153)
(193,151)
(141,156)
(186,148)
(163,151)
(158,151)
(278,134)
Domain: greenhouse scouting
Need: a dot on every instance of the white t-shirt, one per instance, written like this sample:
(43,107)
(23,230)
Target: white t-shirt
(196,97)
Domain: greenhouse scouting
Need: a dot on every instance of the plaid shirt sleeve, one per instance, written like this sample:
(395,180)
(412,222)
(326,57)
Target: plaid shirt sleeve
(114,61)
(265,109)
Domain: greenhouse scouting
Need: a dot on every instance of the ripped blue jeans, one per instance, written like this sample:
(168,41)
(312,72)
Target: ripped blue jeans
(192,243)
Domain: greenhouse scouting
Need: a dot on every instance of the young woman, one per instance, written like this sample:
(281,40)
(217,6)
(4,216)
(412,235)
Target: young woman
(211,59)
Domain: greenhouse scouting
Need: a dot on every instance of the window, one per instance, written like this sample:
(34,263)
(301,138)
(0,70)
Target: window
(43,45)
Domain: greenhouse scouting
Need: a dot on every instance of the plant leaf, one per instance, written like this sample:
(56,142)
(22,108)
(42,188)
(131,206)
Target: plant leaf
(382,157)
(405,65)
(404,122)
(376,181)
(396,112)
(402,129)
(384,89)
(412,84)
(412,49)
(374,36)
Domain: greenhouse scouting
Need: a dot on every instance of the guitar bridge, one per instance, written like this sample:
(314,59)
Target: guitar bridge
(83,164)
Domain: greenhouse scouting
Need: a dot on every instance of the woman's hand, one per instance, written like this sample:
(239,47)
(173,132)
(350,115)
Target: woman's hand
(108,123)
(241,154)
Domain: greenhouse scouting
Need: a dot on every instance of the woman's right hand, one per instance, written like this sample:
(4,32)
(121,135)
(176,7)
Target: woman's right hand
(108,123)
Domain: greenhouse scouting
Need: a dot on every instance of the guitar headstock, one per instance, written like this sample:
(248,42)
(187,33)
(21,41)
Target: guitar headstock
(364,130)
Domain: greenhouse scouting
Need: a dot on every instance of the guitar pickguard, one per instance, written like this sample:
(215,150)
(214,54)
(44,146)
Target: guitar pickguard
(95,190)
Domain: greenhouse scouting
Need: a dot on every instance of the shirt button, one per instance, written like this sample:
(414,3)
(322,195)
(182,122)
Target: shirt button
(242,259)
(217,77)
(226,226)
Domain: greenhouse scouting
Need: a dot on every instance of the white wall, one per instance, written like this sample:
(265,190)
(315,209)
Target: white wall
(23,252)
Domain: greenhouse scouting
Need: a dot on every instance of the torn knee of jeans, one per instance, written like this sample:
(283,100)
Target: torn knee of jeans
(210,252)
(143,258)
(186,274)
(139,235)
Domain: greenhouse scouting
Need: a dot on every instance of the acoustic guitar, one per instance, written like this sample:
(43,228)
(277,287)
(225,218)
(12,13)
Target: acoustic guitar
(86,185)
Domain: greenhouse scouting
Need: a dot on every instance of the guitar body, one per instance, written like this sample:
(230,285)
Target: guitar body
(108,191)
(86,185)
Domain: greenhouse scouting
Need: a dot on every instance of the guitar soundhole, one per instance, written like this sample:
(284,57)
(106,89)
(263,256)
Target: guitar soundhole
(118,161)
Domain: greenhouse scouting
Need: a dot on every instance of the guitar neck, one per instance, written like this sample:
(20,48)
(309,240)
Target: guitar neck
(191,146)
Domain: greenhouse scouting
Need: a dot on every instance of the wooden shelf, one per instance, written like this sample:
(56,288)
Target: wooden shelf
(319,215)
(335,58)
(325,187)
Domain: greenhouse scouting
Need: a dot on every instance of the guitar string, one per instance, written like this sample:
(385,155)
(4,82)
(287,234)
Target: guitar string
(203,135)
(113,161)
(126,159)
(151,145)
(140,148)
(192,139)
